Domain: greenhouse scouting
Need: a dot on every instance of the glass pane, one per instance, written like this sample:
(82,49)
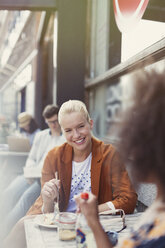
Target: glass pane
(141,37)
(118,97)
(99,37)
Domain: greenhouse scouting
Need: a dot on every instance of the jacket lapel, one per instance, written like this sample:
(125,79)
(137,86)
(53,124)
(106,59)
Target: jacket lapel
(66,173)
(96,166)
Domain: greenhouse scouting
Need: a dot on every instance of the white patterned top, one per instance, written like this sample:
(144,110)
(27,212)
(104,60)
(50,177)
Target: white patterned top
(81,180)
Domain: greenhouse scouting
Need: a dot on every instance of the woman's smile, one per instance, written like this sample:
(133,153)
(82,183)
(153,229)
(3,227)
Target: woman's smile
(80,141)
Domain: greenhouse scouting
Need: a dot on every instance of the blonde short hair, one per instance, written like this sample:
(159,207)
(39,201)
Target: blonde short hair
(73,106)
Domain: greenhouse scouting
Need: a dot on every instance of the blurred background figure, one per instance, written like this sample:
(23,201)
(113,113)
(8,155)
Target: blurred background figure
(28,126)
(12,161)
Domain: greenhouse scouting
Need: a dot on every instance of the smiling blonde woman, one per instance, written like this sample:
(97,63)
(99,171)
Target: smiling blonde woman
(83,164)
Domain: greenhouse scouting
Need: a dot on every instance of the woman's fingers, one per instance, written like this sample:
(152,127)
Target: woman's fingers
(50,189)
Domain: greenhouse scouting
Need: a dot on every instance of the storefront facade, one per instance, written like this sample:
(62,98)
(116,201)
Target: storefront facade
(78,52)
(113,55)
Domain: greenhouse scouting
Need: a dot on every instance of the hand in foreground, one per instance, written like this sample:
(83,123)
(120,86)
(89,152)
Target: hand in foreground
(49,193)
(89,208)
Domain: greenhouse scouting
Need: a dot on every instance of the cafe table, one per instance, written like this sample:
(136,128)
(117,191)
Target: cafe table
(11,165)
(43,237)
(13,160)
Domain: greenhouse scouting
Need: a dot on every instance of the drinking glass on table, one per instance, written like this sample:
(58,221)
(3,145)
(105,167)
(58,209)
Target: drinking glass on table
(66,226)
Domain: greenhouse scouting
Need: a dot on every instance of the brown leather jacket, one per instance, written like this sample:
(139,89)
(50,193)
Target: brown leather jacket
(109,179)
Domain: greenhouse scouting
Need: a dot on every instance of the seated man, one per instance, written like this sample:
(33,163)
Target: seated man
(18,197)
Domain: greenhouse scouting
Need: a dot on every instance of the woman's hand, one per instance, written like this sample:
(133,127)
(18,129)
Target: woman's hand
(49,193)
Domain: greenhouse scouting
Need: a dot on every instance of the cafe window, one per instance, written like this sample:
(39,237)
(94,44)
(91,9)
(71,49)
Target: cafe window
(145,34)
(120,99)
(109,89)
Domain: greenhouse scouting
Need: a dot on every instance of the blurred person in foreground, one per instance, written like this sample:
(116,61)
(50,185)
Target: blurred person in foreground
(143,140)
(21,193)
(83,163)
(28,126)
